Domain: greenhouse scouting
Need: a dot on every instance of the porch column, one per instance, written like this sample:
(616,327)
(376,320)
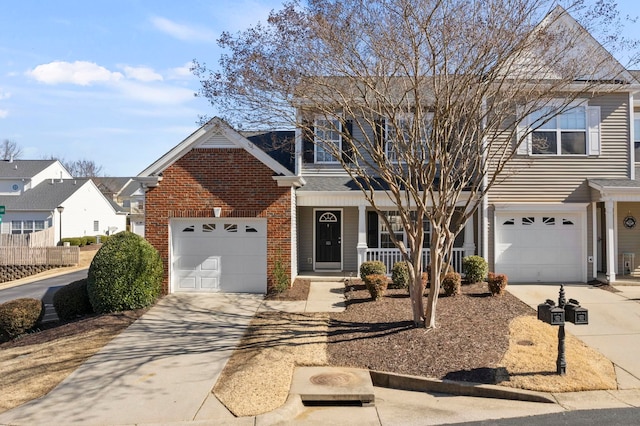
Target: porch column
(469,233)
(362,235)
(609,213)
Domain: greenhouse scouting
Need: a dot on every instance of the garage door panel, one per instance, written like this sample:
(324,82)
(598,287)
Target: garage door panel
(539,247)
(216,254)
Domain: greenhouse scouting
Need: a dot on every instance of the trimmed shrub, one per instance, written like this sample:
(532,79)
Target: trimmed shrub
(19,316)
(372,267)
(400,275)
(475,268)
(377,285)
(281,280)
(451,283)
(497,283)
(72,301)
(75,242)
(126,273)
(90,240)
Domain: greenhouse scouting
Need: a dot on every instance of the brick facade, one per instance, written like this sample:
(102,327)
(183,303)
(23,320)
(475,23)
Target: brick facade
(229,178)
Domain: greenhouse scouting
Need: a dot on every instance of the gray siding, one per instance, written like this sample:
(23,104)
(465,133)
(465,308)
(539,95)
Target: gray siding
(563,178)
(628,239)
(350,239)
(305,238)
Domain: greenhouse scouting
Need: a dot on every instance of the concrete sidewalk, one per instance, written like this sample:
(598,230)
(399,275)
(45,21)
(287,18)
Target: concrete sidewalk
(614,322)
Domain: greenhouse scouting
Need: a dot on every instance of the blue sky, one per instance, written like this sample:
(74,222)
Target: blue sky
(109,81)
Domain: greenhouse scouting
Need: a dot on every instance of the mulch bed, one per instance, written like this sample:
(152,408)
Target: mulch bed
(298,291)
(471,337)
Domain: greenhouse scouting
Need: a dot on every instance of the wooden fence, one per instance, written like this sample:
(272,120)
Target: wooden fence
(55,256)
(44,238)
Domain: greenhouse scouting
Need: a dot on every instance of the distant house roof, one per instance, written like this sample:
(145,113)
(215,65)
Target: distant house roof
(129,189)
(44,197)
(278,144)
(110,185)
(22,169)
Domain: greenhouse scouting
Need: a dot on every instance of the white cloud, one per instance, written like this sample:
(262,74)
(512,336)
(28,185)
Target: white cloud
(141,73)
(181,31)
(4,113)
(181,73)
(158,95)
(79,72)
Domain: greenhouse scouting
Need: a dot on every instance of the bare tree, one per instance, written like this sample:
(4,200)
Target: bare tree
(10,149)
(431,98)
(82,168)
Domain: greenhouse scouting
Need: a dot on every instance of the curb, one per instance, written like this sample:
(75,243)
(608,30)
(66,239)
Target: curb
(421,384)
(292,407)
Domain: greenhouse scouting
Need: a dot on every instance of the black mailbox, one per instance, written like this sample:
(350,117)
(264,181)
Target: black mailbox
(550,313)
(575,313)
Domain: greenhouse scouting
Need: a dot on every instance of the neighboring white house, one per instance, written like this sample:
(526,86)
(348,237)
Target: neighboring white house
(129,195)
(33,190)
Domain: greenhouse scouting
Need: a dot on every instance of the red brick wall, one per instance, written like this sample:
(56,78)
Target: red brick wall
(229,178)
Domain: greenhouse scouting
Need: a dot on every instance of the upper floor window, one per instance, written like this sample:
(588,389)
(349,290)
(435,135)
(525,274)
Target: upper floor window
(399,136)
(575,131)
(564,134)
(328,140)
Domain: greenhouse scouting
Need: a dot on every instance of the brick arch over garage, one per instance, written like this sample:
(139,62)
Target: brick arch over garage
(231,179)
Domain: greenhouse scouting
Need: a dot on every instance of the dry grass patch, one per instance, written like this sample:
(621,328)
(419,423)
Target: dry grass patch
(33,365)
(530,361)
(258,376)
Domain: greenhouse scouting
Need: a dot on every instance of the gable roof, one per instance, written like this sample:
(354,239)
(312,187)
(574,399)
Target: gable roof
(43,197)
(208,136)
(278,144)
(23,169)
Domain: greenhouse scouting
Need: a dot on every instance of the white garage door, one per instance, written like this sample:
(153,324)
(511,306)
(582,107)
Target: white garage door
(214,254)
(540,247)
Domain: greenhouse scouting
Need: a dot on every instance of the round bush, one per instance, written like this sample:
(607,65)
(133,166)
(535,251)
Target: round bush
(475,268)
(451,284)
(18,316)
(400,275)
(126,273)
(372,267)
(72,301)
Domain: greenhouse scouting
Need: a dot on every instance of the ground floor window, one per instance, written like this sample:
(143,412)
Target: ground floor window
(398,230)
(26,226)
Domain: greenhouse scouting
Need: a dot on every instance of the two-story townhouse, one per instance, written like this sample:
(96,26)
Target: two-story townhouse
(129,195)
(225,212)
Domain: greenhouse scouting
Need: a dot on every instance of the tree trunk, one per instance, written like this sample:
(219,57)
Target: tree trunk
(416,289)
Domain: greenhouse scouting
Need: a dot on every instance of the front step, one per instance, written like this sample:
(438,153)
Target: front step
(333,385)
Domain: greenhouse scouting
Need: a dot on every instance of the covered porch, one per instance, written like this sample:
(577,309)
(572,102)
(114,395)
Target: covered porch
(616,236)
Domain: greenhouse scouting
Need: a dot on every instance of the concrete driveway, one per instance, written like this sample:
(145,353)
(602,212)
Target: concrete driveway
(614,322)
(160,370)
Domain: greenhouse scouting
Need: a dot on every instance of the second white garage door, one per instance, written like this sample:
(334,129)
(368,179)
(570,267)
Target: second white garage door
(216,254)
(540,247)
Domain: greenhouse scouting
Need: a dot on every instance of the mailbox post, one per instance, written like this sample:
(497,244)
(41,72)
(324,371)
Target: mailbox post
(557,315)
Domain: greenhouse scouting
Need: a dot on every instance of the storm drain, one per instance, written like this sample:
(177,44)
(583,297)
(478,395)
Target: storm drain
(333,386)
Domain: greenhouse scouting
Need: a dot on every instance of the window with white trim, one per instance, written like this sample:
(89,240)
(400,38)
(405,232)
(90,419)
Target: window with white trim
(563,134)
(26,226)
(404,123)
(574,132)
(398,229)
(328,139)
(96,225)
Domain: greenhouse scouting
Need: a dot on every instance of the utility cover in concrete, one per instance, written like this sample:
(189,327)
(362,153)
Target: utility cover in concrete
(333,384)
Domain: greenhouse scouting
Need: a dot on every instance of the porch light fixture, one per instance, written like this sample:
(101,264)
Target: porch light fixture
(217,211)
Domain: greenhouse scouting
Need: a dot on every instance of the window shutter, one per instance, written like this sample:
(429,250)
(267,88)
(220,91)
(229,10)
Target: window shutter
(372,229)
(521,131)
(308,132)
(593,129)
(347,148)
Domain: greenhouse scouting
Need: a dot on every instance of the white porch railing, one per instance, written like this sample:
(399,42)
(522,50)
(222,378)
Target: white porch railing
(389,256)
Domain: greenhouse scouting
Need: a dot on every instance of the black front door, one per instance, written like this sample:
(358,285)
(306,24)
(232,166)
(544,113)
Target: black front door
(328,238)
